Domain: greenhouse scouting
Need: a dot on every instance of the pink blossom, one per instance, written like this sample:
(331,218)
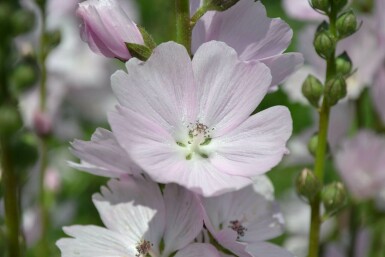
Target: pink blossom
(106,27)
(188,122)
(361,163)
(138,219)
(241,221)
(246,28)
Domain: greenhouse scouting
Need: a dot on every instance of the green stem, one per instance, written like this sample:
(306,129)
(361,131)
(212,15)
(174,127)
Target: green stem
(353,225)
(183,28)
(319,166)
(197,15)
(11,202)
(43,244)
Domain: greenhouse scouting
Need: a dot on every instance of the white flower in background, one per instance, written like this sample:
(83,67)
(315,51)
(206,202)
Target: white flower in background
(361,163)
(243,220)
(140,221)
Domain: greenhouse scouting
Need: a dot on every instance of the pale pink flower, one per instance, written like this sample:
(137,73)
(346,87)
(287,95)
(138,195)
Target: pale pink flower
(362,245)
(241,221)
(188,122)
(301,10)
(361,163)
(246,28)
(106,27)
(139,220)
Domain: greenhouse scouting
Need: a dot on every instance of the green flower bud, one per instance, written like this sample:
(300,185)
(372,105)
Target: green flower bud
(24,150)
(346,24)
(10,120)
(307,184)
(324,44)
(22,78)
(52,39)
(322,5)
(312,89)
(335,90)
(313,144)
(333,197)
(22,21)
(5,10)
(219,5)
(344,64)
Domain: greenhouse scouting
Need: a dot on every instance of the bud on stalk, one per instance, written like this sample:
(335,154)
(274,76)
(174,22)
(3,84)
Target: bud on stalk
(333,197)
(344,64)
(324,44)
(346,24)
(322,5)
(307,184)
(335,90)
(312,89)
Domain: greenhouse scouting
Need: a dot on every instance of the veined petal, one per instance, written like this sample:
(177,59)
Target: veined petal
(283,65)
(134,207)
(102,155)
(184,218)
(93,241)
(275,42)
(256,145)
(228,89)
(163,87)
(243,24)
(198,250)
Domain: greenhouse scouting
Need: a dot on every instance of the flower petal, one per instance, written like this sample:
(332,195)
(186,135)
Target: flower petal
(255,146)
(102,155)
(93,241)
(184,218)
(134,207)
(162,88)
(198,250)
(283,65)
(228,89)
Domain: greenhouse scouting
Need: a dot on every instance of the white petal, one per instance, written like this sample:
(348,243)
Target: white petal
(132,206)
(184,218)
(198,250)
(283,65)
(102,155)
(162,88)
(229,90)
(92,241)
(255,146)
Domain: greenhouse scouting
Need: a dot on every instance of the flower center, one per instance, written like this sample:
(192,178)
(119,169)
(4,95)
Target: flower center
(237,227)
(143,248)
(199,136)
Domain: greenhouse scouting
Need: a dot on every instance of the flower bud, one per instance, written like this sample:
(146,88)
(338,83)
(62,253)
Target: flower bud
(23,77)
(335,90)
(107,28)
(22,21)
(307,184)
(333,197)
(10,120)
(5,10)
(312,89)
(219,5)
(322,5)
(324,44)
(344,64)
(346,24)
(42,124)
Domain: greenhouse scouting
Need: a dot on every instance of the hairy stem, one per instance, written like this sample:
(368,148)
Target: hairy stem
(183,28)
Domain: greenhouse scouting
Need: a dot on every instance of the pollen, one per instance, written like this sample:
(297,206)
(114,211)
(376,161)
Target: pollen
(237,227)
(143,248)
